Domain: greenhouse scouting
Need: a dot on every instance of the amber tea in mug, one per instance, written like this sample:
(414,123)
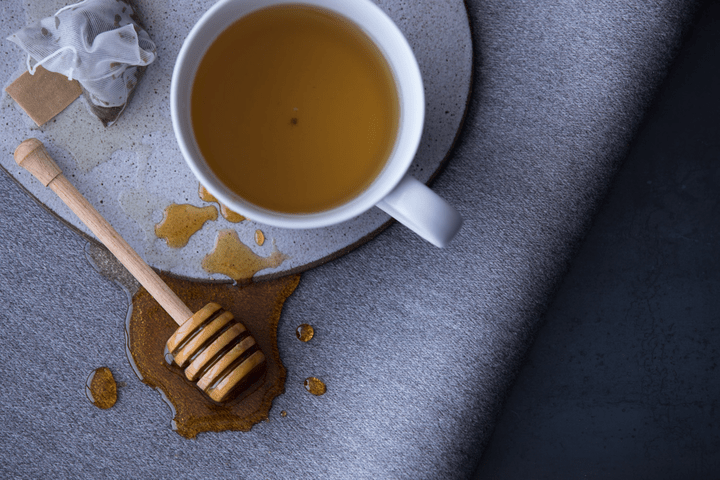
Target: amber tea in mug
(295,109)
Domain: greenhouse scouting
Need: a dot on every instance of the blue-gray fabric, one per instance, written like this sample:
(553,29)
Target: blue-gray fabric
(417,345)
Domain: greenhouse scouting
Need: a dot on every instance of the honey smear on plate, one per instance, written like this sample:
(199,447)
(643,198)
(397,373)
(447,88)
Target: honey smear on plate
(180,222)
(228,214)
(233,258)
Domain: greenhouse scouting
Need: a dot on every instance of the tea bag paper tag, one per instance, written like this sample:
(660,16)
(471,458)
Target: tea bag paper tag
(44,94)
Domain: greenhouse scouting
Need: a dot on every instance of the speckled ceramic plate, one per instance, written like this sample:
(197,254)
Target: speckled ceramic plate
(133,170)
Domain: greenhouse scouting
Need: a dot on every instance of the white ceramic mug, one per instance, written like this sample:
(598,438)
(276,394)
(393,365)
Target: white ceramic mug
(393,190)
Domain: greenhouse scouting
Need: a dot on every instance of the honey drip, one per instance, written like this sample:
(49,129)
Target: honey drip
(304,332)
(180,222)
(283,413)
(228,214)
(259,237)
(101,388)
(258,304)
(315,386)
(233,258)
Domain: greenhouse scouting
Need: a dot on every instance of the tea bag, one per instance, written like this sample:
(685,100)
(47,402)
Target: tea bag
(96,42)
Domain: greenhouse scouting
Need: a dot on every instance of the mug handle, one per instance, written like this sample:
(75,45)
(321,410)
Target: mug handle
(423,211)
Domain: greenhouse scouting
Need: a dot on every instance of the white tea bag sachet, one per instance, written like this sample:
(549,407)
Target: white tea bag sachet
(96,42)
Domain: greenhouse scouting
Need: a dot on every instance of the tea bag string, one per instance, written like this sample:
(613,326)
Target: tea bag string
(33,68)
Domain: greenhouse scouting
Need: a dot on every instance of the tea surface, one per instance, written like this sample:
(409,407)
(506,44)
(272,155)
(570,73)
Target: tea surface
(295,109)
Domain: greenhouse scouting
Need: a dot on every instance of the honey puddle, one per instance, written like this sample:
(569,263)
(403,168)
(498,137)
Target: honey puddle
(258,305)
(315,386)
(228,214)
(233,258)
(304,332)
(101,388)
(180,222)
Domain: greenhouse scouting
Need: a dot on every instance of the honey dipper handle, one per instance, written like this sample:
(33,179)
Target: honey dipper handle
(32,156)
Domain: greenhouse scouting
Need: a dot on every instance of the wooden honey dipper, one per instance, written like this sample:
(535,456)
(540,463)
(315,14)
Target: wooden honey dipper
(216,351)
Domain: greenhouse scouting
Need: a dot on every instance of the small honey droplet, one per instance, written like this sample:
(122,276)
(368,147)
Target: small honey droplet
(304,332)
(315,386)
(283,413)
(259,237)
(101,388)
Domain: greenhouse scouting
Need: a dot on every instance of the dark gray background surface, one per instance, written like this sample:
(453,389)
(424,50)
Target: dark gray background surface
(623,378)
(418,345)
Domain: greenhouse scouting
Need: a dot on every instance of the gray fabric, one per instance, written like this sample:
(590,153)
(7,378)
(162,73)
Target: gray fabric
(417,345)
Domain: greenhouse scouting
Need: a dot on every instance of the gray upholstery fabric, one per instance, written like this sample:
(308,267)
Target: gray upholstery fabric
(417,345)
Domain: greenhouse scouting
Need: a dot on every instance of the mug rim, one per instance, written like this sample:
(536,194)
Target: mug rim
(408,83)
